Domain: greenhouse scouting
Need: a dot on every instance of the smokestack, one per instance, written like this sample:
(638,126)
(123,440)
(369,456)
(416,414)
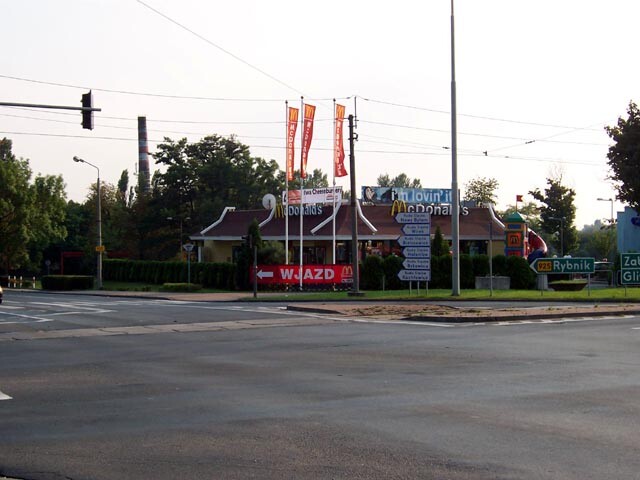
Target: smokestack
(144,180)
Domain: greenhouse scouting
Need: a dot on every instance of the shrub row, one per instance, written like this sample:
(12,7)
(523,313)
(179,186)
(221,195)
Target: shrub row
(209,275)
(67,282)
(375,268)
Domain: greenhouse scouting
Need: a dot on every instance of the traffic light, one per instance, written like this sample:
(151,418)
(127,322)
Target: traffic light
(87,115)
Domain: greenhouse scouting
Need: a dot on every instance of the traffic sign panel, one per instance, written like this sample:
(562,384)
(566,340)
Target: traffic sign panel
(414,241)
(416,252)
(564,265)
(417,263)
(414,275)
(413,217)
(416,229)
(630,268)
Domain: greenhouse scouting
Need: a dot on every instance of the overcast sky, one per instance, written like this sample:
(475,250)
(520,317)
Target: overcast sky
(536,83)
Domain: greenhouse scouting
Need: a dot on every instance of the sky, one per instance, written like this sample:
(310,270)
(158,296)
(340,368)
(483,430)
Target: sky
(536,84)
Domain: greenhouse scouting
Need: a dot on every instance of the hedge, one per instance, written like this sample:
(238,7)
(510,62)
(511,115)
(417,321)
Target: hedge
(209,275)
(67,282)
(373,269)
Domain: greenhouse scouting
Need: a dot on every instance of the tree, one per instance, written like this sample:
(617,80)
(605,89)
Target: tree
(481,190)
(31,214)
(315,179)
(439,246)
(529,211)
(558,214)
(624,157)
(597,241)
(401,180)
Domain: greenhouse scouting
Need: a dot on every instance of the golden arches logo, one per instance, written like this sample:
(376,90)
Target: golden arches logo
(293,114)
(279,211)
(398,206)
(347,271)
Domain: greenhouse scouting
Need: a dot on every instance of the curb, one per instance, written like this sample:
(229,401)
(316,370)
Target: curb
(481,318)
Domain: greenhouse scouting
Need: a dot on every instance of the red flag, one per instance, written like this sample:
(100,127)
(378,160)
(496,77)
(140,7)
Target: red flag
(518,198)
(338,149)
(309,113)
(292,126)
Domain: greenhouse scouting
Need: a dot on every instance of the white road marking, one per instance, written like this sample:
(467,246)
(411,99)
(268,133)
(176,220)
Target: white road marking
(29,318)
(4,396)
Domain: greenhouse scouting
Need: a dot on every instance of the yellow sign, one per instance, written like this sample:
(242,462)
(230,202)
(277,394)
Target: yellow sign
(398,206)
(100,248)
(544,266)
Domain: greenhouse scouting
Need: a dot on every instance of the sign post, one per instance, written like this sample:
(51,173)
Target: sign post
(416,241)
(188,247)
(581,265)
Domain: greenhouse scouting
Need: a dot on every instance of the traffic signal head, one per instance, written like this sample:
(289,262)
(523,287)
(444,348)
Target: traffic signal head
(87,115)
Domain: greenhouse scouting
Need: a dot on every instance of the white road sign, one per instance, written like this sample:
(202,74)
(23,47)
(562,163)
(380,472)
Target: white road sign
(417,263)
(416,252)
(413,217)
(414,275)
(416,229)
(411,241)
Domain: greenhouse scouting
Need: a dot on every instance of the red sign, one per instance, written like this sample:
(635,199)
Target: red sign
(292,126)
(311,274)
(338,149)
(307,135)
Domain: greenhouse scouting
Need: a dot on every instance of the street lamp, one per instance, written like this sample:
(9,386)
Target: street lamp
(99,248)
(608,200)
(561,220)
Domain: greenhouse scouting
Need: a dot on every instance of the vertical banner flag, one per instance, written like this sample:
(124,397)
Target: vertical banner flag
(338,149)
(309,113)
(292,126)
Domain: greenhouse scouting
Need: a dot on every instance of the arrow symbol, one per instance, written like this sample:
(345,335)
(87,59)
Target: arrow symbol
(262,274)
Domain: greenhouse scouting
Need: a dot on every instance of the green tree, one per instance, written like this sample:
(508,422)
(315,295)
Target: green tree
(401,180)
(481,190)
(31,214)
(598,241)
(624,156)
(315,179)
(558,214)
(530,211)
(439,246)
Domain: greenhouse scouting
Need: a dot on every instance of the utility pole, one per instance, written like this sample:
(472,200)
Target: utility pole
(455,193)
(354,212)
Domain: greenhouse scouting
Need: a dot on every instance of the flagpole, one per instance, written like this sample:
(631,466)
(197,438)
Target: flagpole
(301,185)
(286,183)
(334,184)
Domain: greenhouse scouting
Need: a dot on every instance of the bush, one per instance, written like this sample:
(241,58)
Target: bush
(180,287)
(522,277)
(67,282)
(371,272)
(391,266)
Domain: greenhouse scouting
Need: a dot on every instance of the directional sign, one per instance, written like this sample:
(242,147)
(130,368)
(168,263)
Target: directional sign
(416,229)
(412,241)
(630,268)
(414,275)
(416,252)
(413,217)
(564,265)
(417,263)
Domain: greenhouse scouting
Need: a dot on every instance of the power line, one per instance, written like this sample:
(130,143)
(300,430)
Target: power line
(482,117)
(248,64)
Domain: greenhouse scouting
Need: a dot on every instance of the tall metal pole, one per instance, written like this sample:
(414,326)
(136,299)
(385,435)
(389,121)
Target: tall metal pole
(99,215)
(455,194)
(354,212)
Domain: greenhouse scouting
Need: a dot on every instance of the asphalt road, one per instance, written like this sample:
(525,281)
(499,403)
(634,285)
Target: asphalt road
(100,388)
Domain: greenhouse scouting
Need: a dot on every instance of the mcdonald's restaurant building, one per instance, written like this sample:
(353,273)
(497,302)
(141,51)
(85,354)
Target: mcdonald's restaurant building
(377,230)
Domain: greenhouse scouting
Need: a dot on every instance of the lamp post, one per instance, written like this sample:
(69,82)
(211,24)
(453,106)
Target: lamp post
(455,194)
(608,200)
(99,248)
(561,220)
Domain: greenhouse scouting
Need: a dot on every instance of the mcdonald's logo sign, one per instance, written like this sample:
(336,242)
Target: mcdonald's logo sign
(398,206)
(279,211)
(347,272)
